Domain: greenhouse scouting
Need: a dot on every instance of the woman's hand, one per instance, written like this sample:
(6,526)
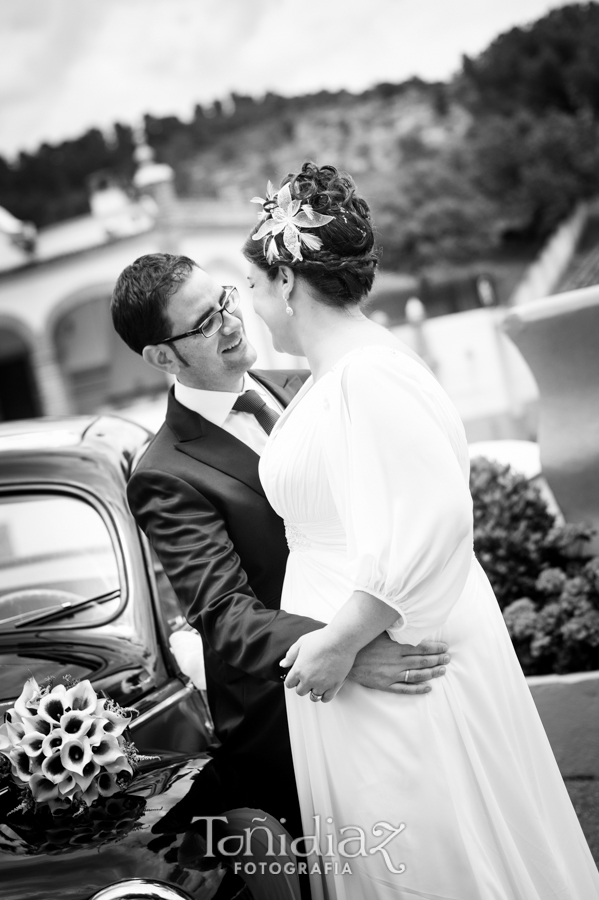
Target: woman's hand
(318,664)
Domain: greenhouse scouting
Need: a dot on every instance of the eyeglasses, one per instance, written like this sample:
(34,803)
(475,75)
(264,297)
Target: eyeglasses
(213,323)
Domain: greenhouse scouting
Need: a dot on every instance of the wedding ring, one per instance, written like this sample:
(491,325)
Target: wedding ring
(406,675)
(316,697)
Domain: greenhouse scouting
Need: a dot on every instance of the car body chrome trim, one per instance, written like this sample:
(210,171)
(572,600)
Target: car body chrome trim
(141,889)
(164,704)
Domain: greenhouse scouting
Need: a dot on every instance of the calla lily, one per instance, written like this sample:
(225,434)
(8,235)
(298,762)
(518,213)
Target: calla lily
(12,716)
(289,216)
(107,784)
(14,731)
(53,706)
(21,764)
(107,750)
(36,723)
(83,782)
(120,764)
(29,699)
(90,769)
(100,704)
(32,743)
(91,794)
(68,785)
(54,768)
(89,772)
(96,731)
(42,788)
(75,755)
(5,741)
(114,807)
(116,722)
(54,741)
(115,728)
(76,724)
(59,805)
(81,698)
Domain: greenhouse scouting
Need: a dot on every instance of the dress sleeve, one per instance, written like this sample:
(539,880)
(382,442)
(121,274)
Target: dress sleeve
(399,487)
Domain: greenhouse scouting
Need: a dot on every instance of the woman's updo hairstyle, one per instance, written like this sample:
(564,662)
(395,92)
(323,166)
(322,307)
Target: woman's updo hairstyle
(341,271)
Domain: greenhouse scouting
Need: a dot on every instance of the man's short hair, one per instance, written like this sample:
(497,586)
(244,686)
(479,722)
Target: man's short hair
(141,294)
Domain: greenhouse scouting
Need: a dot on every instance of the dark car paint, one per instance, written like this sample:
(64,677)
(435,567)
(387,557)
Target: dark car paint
(77,872)
(127,656)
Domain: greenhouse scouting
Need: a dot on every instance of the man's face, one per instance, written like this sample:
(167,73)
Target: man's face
(216,363)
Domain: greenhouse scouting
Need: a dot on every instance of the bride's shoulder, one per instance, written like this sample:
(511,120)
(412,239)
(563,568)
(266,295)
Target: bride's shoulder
(380,361)
(371,380)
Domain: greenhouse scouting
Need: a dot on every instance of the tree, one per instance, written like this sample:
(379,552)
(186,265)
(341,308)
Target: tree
(433,212)
(552,64)
(51,184)
(535,168)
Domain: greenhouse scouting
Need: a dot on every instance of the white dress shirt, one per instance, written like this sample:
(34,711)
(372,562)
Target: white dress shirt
(217,407)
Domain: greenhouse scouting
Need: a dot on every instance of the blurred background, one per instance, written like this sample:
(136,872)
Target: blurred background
(132,126)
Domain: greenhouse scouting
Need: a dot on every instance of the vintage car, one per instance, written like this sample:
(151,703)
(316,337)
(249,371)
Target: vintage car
(82,596)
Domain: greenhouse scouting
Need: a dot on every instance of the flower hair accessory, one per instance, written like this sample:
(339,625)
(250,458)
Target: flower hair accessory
(283,214)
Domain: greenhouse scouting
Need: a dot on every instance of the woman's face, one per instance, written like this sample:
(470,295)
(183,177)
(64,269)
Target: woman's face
(268,302)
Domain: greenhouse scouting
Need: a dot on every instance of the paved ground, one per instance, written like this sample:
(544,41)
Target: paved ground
(585,797)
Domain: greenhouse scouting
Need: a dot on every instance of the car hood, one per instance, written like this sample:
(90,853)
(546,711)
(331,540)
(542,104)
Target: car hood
(135,834)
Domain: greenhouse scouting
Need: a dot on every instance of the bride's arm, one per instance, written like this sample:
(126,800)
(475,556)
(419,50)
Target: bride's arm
(396,464)
(321,661)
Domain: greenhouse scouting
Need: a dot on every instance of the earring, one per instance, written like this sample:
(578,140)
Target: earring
(288,309)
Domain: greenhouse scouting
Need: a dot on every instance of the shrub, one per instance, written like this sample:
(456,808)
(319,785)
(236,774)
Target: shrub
(545,582)
(512,525)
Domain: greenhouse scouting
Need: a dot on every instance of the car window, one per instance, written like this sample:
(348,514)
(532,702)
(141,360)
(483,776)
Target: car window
(16,668)
(184,641)
(170,608)
(55,550)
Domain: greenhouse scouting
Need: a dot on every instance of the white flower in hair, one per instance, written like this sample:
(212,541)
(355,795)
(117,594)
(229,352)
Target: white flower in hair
(268,203)
(288,216)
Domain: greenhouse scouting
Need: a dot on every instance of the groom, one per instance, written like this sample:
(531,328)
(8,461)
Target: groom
(197,496)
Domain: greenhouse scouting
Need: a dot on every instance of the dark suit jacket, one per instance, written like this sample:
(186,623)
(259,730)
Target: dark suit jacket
(197,496)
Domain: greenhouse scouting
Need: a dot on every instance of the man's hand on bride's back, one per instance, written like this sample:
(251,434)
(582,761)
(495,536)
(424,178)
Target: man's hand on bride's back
(382,665)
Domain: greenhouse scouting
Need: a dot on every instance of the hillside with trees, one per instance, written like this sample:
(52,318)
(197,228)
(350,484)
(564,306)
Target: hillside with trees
(453,171)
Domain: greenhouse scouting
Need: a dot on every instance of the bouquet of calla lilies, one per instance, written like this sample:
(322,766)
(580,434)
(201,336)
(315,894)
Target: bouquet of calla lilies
(63,746)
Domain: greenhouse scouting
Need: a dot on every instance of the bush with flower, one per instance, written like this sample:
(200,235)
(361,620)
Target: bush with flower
(560,632)
(541,571)
(64,747)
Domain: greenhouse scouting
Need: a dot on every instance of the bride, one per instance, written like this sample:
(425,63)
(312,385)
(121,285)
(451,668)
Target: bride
(449,795)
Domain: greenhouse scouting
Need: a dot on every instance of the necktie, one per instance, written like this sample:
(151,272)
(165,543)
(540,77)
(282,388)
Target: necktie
(252,402)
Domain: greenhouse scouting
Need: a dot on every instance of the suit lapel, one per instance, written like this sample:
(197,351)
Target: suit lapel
(215,447)
(285,392)
(211,445)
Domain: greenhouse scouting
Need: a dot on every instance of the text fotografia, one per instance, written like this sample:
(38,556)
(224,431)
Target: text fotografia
(328,852)
(320,867)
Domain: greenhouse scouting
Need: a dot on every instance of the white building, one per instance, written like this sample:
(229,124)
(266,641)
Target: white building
(59,353)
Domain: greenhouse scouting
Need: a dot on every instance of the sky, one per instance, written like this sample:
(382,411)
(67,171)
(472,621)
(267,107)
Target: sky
(68,65)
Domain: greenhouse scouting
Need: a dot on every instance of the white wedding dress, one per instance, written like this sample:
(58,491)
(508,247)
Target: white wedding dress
(369,468)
